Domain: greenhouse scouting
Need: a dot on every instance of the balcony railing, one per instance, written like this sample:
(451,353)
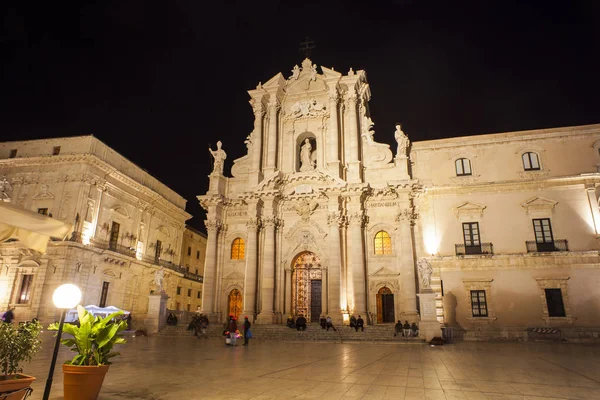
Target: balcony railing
(174,267)
(543,247)
(483,248)
(112,246)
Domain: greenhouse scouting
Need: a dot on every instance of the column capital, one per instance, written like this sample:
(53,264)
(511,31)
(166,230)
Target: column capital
(357,219)
(254,223)
(407,215)
(213,225)
(272,222)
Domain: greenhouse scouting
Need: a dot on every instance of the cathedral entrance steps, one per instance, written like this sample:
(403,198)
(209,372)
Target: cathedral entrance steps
(313,333)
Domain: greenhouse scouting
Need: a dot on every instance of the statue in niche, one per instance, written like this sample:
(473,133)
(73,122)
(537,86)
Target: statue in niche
(219,158)
(402,140)
(425,271)
(307,157)
(313,72)
(295,72)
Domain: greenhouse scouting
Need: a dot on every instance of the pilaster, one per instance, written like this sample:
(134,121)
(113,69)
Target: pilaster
(356,257)
(408,303)
(253,225)
(267,290)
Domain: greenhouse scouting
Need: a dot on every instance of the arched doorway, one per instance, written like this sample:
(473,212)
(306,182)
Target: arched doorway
(234,303)
(307,286)
(385,306)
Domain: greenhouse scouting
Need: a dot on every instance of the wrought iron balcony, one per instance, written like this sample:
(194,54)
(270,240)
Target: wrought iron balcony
(483,248)
(76,237)
(113,246)
(174,267)
(543,247)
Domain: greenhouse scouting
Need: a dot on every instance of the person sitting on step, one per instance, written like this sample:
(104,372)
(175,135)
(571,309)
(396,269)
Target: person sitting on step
(352,321)
(414,330)
(301,323)
(406,329)
(360,324)
(290,322)
(323,322)
(398,328)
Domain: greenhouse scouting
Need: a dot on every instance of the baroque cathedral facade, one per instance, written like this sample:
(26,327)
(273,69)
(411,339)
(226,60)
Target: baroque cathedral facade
(318,218)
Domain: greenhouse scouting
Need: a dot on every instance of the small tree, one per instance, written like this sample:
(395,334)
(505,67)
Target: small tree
(18,344)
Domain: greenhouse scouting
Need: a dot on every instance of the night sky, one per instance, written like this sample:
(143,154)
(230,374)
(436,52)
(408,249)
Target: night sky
(159,81)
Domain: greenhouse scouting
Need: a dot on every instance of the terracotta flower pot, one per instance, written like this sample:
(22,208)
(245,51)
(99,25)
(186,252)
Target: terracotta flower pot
(10,384)
(83,382)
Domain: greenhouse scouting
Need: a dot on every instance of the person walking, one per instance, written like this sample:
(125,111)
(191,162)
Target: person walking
(232,329)
(330,324)
(406,329)
(247,332)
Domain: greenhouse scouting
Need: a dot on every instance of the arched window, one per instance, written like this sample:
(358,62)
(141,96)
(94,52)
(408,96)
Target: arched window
(531,162)
(383,243)
(463,167)
(237,249)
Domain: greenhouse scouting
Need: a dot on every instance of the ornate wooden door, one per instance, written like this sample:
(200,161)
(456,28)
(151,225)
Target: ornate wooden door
(235,303)
(315,299)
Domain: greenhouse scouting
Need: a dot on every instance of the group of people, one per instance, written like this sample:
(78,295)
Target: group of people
(326,323)
(357,323)
(232,333)
(406,329)
(199,324)
(171,319)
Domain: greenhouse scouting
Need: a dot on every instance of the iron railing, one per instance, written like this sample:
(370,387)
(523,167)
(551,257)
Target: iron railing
(113,246)
(534,246)
(174,267)
(483,248)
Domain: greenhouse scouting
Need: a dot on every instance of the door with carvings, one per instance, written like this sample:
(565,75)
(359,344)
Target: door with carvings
(235,303)
(315,300)
(385,306)
(307,286)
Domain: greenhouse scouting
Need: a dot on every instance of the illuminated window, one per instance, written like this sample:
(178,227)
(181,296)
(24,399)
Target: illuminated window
(237,249)
(478,303)
(463,167)
(531,162)
(383,243)
(25,293)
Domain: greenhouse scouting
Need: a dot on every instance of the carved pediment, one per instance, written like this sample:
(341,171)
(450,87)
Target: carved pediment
(43,193)
(539,204)
(120,211)
(469,210)
(235,276)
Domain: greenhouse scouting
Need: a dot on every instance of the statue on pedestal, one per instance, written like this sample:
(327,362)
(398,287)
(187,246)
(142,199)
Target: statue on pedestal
(402,140)
(219,158)
(425,272)
(159,276)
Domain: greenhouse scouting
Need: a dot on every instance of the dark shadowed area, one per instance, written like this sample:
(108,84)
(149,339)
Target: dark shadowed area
(160,81)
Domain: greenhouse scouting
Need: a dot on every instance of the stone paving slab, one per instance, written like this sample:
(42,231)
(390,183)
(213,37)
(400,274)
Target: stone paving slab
(167,368)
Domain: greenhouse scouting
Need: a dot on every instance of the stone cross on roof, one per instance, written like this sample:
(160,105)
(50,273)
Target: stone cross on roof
(307,46)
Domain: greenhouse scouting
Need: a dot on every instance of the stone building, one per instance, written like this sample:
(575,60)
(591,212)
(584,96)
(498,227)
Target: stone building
(319,218)
(128,225)
(193,255)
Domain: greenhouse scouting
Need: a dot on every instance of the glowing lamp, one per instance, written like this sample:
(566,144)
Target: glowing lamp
(66,296)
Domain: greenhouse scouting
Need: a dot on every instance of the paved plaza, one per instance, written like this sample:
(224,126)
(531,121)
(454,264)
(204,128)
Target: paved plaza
(186,368)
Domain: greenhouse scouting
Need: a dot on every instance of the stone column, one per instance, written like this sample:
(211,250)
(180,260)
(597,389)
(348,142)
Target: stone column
(353,173)
(268,272)
(356,259)
(408,302)
(257,136)
(210,267)
(272,137)
(250,277)
(334,269)
(333,154)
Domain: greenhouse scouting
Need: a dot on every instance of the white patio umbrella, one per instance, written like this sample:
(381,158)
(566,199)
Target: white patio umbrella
(32,229)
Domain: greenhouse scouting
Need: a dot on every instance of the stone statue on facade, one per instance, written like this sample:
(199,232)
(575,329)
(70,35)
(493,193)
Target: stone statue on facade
(219,158)
(313,72)
(402,140)
(425,272)
(307,162)
(159,276)
(295,72)
(4,186)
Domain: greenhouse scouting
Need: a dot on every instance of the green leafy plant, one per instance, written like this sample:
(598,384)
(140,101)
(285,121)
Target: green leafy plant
(94,338)
(18,344)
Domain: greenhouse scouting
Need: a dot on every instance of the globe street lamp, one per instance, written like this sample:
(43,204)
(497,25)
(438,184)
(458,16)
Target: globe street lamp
(65,297)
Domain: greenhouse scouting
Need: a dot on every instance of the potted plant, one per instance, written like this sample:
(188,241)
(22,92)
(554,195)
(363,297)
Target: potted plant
(93,341)
(17,344)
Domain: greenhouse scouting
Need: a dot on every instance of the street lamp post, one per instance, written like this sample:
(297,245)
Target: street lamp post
(65,297)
